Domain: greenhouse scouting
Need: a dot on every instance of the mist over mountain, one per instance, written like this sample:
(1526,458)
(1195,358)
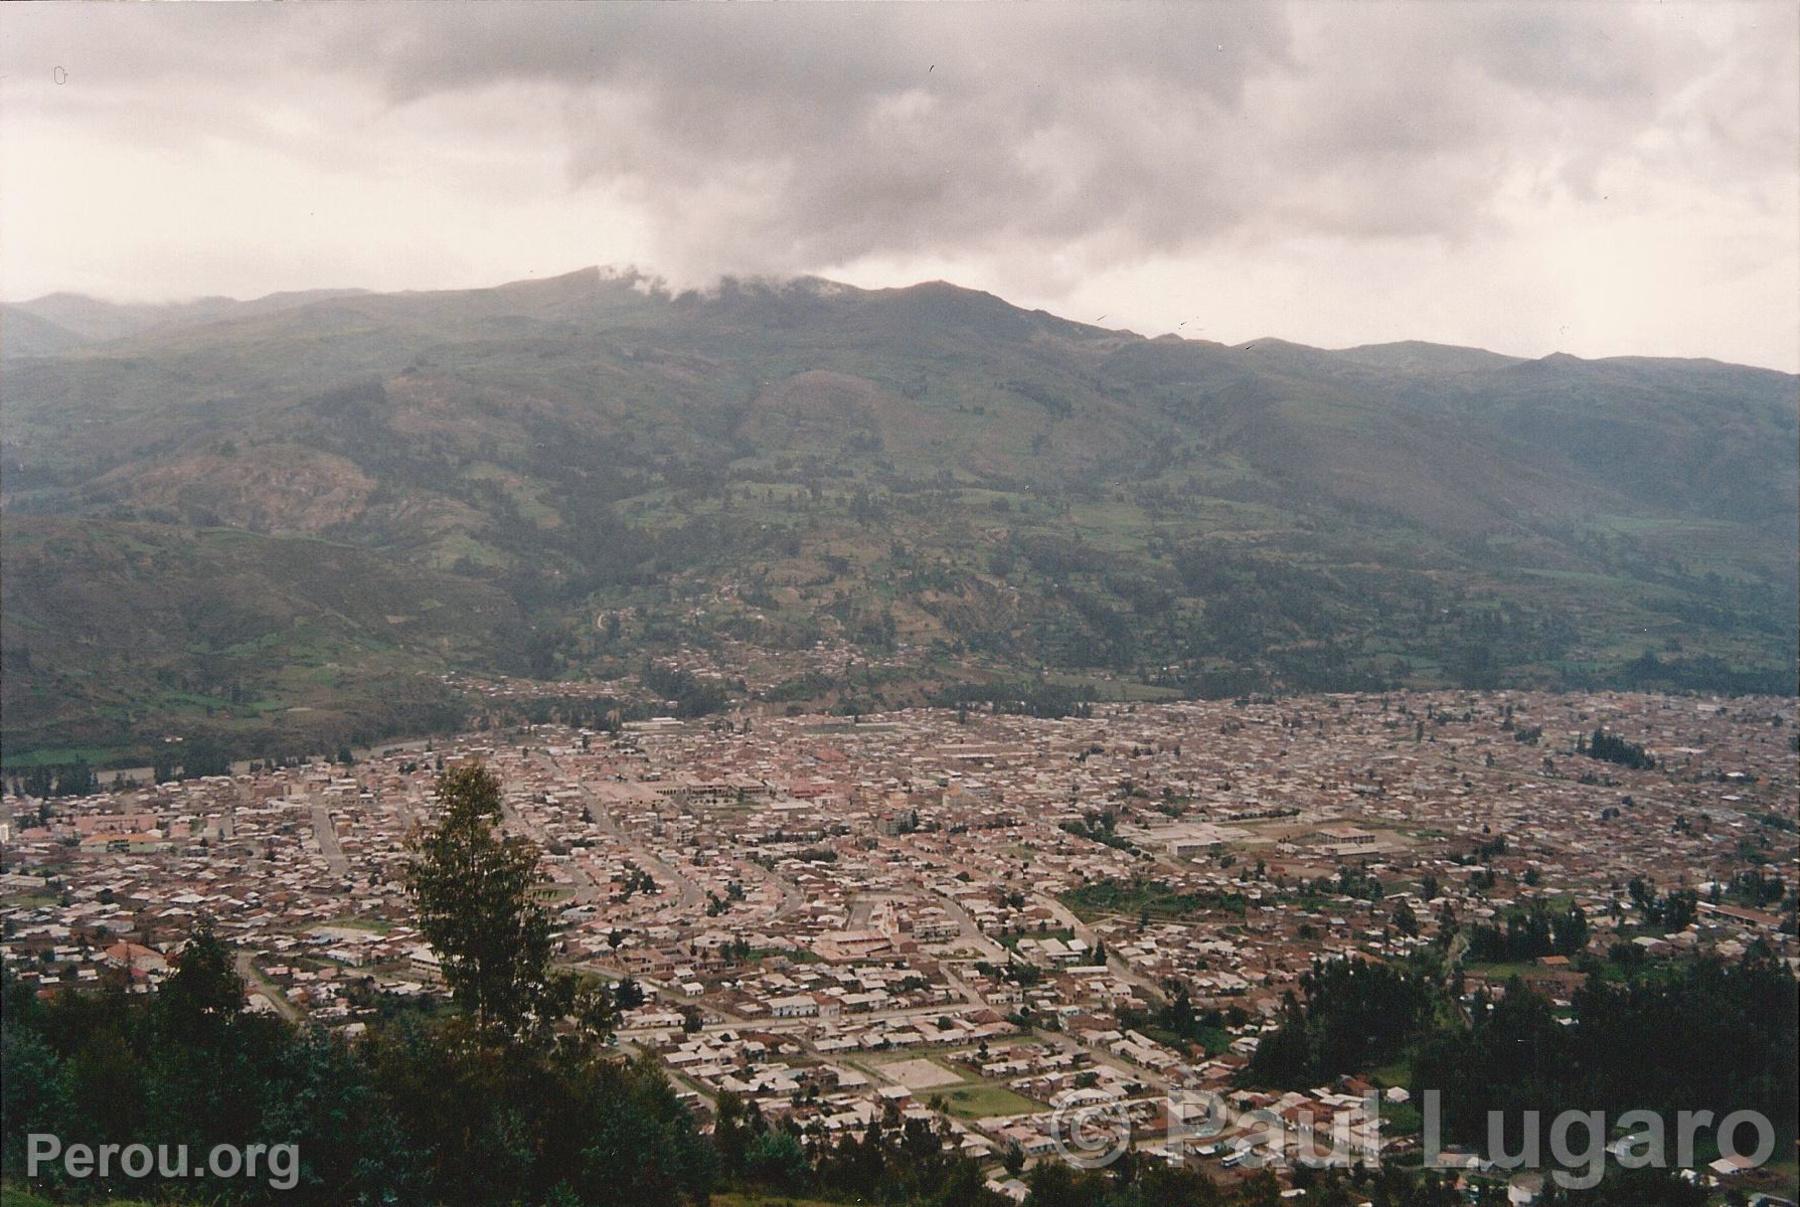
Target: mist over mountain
(283,520)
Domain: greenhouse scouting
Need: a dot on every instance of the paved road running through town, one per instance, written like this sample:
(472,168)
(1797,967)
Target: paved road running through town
(325,834)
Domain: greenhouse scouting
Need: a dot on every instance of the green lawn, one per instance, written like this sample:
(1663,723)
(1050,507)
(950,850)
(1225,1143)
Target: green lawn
(980,1099)
(1401,1119)
(13,1196)
(1398,1073)
(972,1098)
(57,756)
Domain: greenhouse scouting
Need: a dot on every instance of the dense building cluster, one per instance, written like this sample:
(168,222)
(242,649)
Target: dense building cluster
(969,915)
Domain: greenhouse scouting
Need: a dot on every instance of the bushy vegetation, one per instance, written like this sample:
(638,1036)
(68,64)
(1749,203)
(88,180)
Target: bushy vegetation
(1098,825)
(1145,899)
(1613,749)
(1015,699)
(690,695)
(51,780)
(1712,1037)
(1350,1014)
(1527,933)
(1177,1019)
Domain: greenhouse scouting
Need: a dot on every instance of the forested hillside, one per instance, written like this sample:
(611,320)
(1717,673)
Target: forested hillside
(221,513)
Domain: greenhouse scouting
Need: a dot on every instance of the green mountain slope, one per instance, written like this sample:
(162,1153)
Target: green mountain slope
(121,634)
(960,488)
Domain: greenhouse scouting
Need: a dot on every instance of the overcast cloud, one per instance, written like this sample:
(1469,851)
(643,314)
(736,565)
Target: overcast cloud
(1596,179)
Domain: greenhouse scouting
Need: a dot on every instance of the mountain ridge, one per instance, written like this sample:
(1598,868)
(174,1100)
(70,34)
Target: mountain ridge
(941,483)
(211,308)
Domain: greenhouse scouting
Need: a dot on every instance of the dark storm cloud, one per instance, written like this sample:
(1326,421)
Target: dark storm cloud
(811,135)
(792,137)
(814,135)
(1525,175)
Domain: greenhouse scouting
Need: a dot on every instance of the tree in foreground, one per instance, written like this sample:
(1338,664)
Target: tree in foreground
(472,888)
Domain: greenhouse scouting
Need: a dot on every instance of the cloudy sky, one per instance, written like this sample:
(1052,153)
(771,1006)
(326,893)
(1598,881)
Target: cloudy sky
(1597,179)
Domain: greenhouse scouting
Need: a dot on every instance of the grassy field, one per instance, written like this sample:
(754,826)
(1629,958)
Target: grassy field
(14,1196)
(55,756)
(971,1098)
(979,1100)
(1398,1073)
(1059,932)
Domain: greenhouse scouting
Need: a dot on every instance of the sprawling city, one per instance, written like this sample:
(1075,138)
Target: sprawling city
(900,605)
(980,919)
